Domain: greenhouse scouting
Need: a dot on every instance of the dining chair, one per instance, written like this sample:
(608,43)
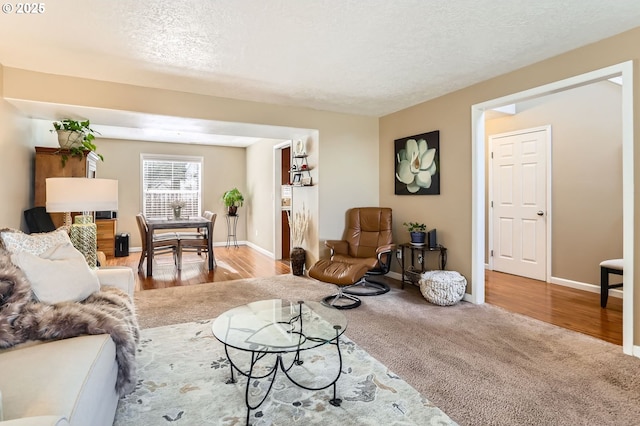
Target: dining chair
(198,233)
(196,241)
(162,243)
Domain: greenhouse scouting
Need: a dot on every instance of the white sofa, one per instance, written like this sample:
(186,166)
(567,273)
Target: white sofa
(64,382)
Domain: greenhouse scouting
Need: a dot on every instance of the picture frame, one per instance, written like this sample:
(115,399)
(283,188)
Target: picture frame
(306,181)
(299,148)
(417,164)
(297,179)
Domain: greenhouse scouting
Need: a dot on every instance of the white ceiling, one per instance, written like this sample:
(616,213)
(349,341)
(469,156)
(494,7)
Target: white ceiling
(369,57)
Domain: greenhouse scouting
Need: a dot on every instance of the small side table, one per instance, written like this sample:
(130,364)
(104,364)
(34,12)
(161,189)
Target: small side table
(422,250)
(232,224)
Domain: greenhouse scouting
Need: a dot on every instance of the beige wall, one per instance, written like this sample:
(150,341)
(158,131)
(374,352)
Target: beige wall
(586,161)
(450,212)
(223,168)
(260,189)
(15,164)
(349,177)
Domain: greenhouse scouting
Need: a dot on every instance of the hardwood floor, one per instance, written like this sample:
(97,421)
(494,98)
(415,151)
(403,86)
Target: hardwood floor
(562,306)
(559,305)
(233,263)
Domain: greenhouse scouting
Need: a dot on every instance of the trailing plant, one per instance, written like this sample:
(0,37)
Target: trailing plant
(415,227)
(86,142)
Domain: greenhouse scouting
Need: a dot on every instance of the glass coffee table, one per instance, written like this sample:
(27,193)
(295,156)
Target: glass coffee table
(278,327)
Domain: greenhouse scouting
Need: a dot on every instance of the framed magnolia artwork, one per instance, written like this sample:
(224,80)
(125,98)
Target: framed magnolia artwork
(417,164)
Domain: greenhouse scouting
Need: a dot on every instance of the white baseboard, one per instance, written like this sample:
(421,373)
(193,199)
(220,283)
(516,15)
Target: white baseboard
(257,248)
(395,275)
(593,288)
(636,351)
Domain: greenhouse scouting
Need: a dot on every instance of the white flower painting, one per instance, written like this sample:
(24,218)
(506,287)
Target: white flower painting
(418,164)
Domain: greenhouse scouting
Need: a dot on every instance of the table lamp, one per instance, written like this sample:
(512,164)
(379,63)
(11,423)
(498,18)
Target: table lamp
(77,194)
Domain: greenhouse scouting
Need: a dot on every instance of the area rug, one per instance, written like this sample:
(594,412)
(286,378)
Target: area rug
(479,364)
(182,372)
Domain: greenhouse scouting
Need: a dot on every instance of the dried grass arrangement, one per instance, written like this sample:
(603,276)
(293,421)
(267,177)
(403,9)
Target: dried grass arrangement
(298,225)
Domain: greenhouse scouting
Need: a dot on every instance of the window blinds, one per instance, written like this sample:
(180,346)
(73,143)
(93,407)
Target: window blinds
(171,178)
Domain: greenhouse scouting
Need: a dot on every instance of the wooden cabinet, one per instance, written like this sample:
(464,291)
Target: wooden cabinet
(48,163)
(106,229)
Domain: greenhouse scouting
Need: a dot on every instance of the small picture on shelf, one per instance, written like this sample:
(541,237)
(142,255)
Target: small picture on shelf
(297,179)
(306,181)
(299,148)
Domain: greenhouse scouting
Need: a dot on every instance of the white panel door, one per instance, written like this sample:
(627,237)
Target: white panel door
(519,170)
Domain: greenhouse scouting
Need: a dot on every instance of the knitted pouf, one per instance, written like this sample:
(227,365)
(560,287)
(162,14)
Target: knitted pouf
(443,288)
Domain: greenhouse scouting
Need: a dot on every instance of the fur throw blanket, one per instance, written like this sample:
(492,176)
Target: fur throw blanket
(107,311)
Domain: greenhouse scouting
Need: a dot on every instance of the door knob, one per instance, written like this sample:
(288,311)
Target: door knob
(540,213)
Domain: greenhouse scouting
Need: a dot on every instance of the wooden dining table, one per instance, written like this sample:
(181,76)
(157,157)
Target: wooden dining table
(154,224)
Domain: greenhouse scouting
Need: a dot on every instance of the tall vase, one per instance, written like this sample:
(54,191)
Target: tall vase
(176,212)
(298,257)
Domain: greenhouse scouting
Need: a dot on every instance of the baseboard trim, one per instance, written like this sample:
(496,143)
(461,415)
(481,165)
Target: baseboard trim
(636,351)
(395,275)
(584,286)
(257,248)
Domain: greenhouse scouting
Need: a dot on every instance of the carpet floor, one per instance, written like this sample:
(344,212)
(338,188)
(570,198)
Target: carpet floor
(480,364)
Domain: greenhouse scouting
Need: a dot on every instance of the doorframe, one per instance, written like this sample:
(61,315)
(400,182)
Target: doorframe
(478,150)
(548,181)
(277,208)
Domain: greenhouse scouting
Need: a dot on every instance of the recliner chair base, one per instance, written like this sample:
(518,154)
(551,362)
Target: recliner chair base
(341,300)
(366,287)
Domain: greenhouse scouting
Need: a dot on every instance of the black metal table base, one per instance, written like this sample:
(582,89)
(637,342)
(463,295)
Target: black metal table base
(280,364)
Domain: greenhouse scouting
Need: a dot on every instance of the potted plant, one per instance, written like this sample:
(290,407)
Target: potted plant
(233,199)
(76,137)
(417,231)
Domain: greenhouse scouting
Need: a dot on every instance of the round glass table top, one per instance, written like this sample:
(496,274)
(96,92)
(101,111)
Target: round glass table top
(279,326)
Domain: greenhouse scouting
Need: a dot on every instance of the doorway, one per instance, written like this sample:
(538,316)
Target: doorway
(285,155)
(519,194)
(478,182)
(282,200)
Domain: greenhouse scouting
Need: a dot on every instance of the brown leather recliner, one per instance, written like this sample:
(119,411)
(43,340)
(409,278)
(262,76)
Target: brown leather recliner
(365,251)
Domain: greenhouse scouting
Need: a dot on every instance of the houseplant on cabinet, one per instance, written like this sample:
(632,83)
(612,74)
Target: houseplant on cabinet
(75,136)
(417,231)
(233,199)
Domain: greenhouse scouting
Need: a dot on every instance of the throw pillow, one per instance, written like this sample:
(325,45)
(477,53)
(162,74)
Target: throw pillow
(16,241)
(59,274)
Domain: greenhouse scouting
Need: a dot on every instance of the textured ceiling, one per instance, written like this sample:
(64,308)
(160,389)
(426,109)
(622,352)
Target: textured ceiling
(370,57)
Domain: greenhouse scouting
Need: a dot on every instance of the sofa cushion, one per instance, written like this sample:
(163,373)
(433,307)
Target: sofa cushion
(16,241)
(58,274)
(73,378)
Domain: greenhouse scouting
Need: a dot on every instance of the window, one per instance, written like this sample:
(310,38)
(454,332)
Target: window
(166,178)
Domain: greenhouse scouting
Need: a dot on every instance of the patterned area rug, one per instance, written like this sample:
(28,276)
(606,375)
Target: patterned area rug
(182,370)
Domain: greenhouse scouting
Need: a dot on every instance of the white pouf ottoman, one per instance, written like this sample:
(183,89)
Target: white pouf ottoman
(443,288)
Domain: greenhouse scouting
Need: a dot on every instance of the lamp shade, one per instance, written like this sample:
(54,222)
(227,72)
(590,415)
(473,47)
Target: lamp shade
(81,194)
